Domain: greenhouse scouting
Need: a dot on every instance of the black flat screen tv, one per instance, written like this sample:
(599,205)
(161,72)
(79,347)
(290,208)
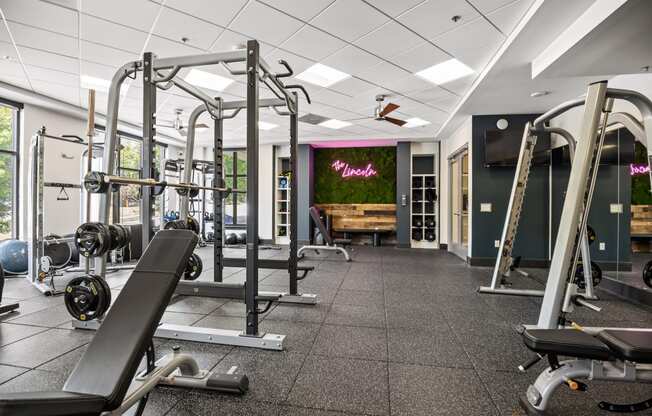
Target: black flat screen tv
(501,148)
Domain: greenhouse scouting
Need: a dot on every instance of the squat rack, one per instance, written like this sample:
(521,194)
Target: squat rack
(155,76)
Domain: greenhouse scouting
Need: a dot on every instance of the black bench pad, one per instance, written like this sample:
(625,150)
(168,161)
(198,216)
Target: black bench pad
(51,403)
(567,342)
(629,345)
(342,241)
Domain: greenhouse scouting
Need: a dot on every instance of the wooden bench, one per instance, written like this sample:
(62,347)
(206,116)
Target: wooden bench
(374,219)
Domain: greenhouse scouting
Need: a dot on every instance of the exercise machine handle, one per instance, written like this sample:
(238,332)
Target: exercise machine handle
(303,90)
(289,70)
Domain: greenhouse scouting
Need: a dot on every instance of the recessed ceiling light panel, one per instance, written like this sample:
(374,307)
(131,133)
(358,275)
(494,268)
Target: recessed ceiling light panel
(444,72)
(94,83)
(322,75)
(335,124)
(263,125)
(415,122)
(208,80)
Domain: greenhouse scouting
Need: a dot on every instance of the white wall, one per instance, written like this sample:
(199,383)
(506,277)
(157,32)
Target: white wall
(266,191)
(449,146)
(60,217)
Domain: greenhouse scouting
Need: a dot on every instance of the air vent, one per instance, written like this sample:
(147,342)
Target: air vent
(313,119)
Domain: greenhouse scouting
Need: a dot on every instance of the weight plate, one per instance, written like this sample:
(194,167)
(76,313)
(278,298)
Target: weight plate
(85,298)
(590,234)
(596,275)
(94,183)
(107,294)
(647,273)
(193,268)
(93,239)
(193,225)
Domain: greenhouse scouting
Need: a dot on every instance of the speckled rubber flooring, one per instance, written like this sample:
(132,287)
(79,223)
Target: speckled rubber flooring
(396,332)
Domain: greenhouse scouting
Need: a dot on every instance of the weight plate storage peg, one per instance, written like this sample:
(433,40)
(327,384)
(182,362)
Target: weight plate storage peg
(193,268)
(93,239)
(85,298)
(647,273)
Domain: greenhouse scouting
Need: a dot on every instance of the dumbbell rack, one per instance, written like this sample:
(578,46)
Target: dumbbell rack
(423,213)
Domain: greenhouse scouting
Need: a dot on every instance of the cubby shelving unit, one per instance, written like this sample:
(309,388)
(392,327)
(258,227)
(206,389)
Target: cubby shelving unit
(282,209)
(424,210)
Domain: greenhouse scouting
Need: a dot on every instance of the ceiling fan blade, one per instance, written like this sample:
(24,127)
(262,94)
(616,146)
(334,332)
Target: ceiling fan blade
(388,109)
(201,126)
(396,121)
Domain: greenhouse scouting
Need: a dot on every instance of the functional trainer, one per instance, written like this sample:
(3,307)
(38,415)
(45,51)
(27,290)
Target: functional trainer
(332,244)
(102,378)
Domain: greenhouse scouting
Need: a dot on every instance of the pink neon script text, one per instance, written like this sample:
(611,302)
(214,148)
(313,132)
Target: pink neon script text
(348,171)
(638,169)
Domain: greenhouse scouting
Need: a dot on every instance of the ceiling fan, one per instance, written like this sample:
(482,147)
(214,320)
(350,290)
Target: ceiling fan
(178,125)
(380,112)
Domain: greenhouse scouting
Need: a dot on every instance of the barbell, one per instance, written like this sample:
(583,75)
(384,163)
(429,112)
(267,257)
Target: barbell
(99,183)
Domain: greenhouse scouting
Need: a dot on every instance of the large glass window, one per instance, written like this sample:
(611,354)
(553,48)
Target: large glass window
(235,176)
(8,171)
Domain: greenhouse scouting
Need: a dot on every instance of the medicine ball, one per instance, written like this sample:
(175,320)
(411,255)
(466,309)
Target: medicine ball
(430,235)
(231,239)
(13,256)
(417,235)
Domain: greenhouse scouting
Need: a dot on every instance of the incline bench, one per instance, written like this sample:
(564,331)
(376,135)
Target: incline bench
(103,376)
(612,355)
(332,244)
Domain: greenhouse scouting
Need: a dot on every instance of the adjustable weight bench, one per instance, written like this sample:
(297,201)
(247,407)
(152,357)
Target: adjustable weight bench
(103,382)
(611,355)
(332,244)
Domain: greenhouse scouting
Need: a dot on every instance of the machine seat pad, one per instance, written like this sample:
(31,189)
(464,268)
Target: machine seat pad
(634,346)
(51,403)
(566,342)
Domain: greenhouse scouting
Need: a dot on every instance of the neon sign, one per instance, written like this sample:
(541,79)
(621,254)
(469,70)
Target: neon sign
(348,172)
(638,169)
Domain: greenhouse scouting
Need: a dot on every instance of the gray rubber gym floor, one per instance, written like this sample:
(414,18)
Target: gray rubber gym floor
(398,332)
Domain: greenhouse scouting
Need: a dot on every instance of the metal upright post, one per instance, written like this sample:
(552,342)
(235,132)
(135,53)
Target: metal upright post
(573,208)
(147,152)
(251,286)
(294,140)
(218,220)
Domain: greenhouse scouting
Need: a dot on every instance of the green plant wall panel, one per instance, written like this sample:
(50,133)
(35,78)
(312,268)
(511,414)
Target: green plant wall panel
(641,183)
(364,175)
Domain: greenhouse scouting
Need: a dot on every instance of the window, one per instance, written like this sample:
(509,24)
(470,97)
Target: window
(9,116)
(235,176)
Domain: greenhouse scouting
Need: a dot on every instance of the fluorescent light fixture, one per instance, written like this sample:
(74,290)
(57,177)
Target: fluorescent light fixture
(208,80)
(445,72)
(266,126)
(415,122)
(201,127)
(335,124)
(322,75)
(93,83)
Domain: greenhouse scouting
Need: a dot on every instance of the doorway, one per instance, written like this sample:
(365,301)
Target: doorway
(458,169)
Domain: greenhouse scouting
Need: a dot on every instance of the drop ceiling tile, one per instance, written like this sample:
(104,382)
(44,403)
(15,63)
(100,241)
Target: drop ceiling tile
(352,60)
(507,17)
(264,23)
(61,92)
(304,9)
(298,64)
(111,34)
(97,70)
(460,86)
(445,103)
(164,48)
(176,26)
(349,19)
(42,39)
(56,77)
(407,85)
(138,14)
(473,43)
(420,57)
(41,14)
(433,17)
(432,94)
(389,40)
(383,73)
(49,60)
(106,55)
(393,7)
(488,6)
(11,69)
(312,43)
(352,86)
(207,10)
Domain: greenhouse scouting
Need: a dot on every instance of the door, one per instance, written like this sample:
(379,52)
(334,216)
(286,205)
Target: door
(459,204)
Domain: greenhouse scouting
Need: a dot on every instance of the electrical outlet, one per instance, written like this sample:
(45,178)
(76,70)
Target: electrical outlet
(616,208)
(497,243)
(485,207)
(602,246)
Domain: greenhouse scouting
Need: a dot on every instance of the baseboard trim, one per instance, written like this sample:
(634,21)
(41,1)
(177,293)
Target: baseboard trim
(443,246)
(491,261)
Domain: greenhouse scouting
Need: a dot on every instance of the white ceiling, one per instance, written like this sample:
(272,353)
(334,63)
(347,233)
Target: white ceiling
(50,43)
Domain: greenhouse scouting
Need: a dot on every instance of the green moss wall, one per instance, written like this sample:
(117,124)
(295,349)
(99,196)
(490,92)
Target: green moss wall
(331,188)
(641,183)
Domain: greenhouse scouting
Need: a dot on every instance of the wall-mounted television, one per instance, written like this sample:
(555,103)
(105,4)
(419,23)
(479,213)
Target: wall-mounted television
(501,148)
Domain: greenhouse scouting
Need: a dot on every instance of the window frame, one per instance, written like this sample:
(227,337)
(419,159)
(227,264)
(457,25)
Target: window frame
(234,176)
(15,153)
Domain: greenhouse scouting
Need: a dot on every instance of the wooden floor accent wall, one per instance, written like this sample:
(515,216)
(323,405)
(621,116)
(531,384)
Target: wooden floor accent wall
(361,217)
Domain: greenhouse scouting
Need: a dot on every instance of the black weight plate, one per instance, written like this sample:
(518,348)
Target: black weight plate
(175,225)
(93,239)
(193,225)
(647,273)
(596,275)
(194,267)
(114,231)
(82,298)
(94,183)
(106,296)
(591,235)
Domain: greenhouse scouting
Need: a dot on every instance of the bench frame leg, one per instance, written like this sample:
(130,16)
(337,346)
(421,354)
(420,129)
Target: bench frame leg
(337,248)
